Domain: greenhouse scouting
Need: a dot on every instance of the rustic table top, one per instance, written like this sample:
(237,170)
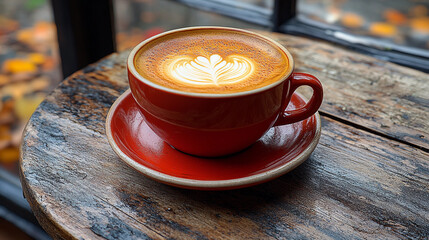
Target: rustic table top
(367,178)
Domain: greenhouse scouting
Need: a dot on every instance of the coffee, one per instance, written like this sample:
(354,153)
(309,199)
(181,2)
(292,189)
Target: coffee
(212,61)
(213,91)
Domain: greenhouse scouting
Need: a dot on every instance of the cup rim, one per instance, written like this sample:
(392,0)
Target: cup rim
(133,71)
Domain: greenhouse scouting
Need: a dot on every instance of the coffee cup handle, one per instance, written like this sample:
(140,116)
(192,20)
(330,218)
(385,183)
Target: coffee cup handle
(311,107)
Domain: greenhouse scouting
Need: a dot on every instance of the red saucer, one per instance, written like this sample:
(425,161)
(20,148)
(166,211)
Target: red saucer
(280,150)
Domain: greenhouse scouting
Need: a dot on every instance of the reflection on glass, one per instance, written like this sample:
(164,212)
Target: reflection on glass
(396,21)
(138,20)
(265,4)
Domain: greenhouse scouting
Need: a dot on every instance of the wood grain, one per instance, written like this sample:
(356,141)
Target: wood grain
(356,185)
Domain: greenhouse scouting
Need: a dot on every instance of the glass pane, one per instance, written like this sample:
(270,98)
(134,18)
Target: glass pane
(29,69)
(259,5)
(138,20)
(398,22)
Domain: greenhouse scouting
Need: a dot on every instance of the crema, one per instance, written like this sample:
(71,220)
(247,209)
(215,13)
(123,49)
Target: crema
(215,61)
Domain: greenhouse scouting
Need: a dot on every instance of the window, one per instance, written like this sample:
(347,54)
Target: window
(137,20)
(391,22)
(395,30)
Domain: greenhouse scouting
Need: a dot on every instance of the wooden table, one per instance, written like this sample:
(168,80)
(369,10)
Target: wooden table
(367,179)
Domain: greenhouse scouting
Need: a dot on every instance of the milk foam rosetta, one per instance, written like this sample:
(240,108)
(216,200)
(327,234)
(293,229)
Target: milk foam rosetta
(214,61)
(211,71)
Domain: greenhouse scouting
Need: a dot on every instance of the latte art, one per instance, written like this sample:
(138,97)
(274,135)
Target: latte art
(211,71)
(211,60)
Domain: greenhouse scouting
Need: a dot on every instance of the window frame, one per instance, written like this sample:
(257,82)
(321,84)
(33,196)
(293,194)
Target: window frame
(284,19)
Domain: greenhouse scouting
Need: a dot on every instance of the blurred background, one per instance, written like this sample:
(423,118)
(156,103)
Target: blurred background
(30,63)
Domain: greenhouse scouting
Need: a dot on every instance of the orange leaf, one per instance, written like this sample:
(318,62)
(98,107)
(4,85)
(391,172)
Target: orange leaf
(4,132)
(36,58)
(18,66)
(420,24)
(383,29)
(395,17)
(44,31)
(8,155)
(25,36)
(352,20)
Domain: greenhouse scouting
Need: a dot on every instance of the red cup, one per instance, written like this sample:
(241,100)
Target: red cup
(212,125)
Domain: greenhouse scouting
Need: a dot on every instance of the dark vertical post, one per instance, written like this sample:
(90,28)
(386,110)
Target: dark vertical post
(85,32)
(284,10)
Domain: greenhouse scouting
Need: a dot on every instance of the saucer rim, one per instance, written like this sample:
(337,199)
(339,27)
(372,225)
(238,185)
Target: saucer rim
(209,184)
